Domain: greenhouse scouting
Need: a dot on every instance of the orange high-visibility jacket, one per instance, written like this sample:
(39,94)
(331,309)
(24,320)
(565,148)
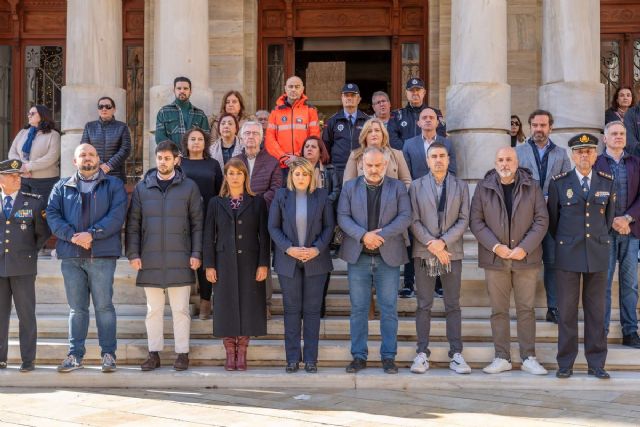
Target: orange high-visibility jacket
(289,126)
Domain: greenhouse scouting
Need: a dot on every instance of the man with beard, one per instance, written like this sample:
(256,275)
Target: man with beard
(509,218)
(545,160)
(174,119)
(86,212)
(403,124)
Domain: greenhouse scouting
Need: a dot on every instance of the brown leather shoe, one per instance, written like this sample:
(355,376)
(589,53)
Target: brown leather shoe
(241,356)
(230,347)
(205,309)
(182,362)
(152,362)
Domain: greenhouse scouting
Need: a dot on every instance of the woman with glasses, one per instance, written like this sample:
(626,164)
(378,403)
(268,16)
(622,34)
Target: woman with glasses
(110,137)
(38,147)
(517,135)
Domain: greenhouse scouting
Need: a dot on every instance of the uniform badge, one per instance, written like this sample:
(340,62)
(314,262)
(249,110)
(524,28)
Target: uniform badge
(340,127)
(403,124)
(601,211)
(602,193)
(23,227)
(299,120)
(414,82)
(569,193)
(25,204)
(350,86)
(284,118)
(15,164)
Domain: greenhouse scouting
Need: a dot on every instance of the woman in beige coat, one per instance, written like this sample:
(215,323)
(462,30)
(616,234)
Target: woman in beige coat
(38,147)
(374,133)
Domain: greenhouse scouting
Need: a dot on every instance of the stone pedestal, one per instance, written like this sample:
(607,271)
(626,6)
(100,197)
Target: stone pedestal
(478,99)
(93,69)
(571,88)
(181,48)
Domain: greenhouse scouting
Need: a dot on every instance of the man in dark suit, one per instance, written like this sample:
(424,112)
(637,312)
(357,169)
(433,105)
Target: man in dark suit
(581,211)
(374,212)
(24,230)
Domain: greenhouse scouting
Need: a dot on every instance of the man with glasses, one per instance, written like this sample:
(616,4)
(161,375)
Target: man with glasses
(110,137)
(381,106)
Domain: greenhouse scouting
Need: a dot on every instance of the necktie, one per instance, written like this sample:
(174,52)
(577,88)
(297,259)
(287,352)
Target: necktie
(351,119)
(7,206)
(585,186)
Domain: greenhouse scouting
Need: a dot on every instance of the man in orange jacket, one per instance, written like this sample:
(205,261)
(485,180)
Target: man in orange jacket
(290,123)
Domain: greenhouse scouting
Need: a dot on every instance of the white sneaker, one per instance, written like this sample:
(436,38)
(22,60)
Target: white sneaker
(498,365)
(458,364)
(420,364)
(532,366)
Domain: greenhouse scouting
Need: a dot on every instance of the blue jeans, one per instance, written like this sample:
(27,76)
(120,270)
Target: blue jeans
(88,279)
(366,271)
(624,251)
(549,259)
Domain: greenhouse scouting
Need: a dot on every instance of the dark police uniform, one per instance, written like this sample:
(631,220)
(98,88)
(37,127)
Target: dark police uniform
(23,233)
(580,223)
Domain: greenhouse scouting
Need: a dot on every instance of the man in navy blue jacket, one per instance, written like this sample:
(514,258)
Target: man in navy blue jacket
(86,212)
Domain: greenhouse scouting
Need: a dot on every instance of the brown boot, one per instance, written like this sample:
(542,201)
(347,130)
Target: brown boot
(230,347)
(241,357)
(182,362)
(152,362)
(205,309)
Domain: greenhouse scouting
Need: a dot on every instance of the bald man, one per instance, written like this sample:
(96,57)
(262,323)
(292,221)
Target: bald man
(509,218)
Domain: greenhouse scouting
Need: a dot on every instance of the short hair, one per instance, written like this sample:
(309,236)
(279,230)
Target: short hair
(541,113)
(235,120)
(102,98)
(168,145)
(373,149)
(262,111)
(611,124)
(362,139)
(224,102)
(435,145)
(237,163)
(614,100)
(184,143)
(305,164)
(182,79)
(324,153)
(251,123)
(379,93)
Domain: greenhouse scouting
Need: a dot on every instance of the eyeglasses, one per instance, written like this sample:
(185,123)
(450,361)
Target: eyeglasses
(515,123)
(32,113)
(104,107)
(247,133)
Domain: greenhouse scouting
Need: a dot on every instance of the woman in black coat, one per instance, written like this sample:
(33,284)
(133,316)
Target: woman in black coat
(301,223)
(236,259)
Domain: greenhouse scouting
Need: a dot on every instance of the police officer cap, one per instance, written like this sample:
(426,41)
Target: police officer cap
(10,166)
(350,88)
(583,140)
(415,82)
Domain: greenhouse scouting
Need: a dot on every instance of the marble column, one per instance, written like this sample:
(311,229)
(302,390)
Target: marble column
(571,88)
(93,69)
(181,48)
(478,98)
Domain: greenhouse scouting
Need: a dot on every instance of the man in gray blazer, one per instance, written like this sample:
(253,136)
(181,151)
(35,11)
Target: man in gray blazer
(545,160)
(374,213)
(440,206)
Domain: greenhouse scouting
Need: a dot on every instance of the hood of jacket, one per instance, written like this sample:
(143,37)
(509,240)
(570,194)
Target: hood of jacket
(492,179)
(282,101)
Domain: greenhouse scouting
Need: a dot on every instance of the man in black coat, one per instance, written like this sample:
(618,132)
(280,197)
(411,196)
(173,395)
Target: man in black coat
(24,230)
(111,138)
(581,210)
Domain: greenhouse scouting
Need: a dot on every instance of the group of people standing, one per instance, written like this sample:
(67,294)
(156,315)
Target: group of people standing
(382,189)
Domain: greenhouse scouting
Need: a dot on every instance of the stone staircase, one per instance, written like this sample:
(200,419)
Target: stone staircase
(268,351)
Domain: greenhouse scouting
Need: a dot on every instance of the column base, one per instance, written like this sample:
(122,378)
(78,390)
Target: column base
(478,106)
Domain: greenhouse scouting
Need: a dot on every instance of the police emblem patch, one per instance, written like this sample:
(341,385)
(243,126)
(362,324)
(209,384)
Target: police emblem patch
(340,127)
(403,124)
(15,164)
(569,193)
(284,118)
(350,86)
(414,81)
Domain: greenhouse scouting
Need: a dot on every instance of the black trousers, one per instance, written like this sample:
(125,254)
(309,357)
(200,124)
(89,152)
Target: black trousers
(594,287)
(22,290)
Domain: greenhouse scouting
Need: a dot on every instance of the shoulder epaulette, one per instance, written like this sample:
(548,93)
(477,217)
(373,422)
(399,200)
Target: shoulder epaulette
(35,196)
(605,175)
(560,175)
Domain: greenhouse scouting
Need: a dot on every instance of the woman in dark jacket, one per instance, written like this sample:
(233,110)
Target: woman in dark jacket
(301,223)
(621,101)
(236,259)
(198,165)
(314,150)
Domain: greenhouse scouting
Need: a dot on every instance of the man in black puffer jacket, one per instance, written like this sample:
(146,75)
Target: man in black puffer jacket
(164,244)
(110,137)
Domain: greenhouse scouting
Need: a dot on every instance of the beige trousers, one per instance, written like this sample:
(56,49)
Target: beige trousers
(179,302)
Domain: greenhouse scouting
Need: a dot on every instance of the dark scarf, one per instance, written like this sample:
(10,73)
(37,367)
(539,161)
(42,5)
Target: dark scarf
(26,148)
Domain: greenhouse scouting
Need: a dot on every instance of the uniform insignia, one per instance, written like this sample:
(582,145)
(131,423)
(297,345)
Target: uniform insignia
(340,127)
(602,193)
(25,204)
(24,213)
(570,193)
(23,227)
(601,211)
(284,118)
(414,82)
(43,214)
(35,196)
(606,175)
(15,164)
(350,86)
(560,175)
(299,120)
(403,124)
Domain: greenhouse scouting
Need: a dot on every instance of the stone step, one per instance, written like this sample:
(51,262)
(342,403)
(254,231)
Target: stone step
(56,326)
(263,352)
(121,309)
(215,377)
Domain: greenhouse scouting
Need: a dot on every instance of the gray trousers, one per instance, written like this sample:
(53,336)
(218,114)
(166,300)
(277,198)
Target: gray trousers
(425,286)
(22,290)
(499,284)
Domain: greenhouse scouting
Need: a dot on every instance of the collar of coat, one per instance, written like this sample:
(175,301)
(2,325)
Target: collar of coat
(151,177)
(492,179)
(73,179)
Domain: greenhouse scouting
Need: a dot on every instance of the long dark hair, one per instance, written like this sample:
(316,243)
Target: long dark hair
(184,144)
(614,100)
(324,154)
(47,124)
(520,135)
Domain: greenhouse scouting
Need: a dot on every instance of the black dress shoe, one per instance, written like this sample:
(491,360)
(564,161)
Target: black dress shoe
(564,372)
(599,373)
(3,365)
(356,365)
(631,340)
(27,367)
(552,315)
(311,367)
(292,367)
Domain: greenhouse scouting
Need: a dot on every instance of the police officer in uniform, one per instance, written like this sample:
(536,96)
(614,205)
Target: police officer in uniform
(341,132)
(24,230)
(581,211)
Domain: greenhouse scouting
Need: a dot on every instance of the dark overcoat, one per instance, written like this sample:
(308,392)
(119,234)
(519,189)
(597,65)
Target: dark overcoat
(236,243)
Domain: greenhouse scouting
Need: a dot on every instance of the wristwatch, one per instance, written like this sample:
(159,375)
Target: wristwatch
(628,218)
